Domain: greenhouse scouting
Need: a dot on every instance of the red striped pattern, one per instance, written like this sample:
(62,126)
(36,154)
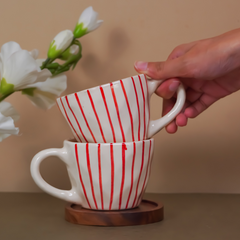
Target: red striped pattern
(124,148)
(80,106)
(119,109)
(132,174)
(144,111)
(80,176)
(111,177)
(147,173)
(90,174)
(96,115)
(148,104)
(66,98)
(136,194)
(129,110)
(100,174)
(139,119)
(69,120)
(109,118)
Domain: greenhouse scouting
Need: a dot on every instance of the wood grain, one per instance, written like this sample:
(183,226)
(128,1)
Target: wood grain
(147,212)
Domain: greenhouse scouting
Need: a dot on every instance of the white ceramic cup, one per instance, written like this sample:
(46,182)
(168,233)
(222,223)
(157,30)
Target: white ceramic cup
(117,111)
(104,176)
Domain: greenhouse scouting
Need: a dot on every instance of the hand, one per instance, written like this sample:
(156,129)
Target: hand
(209,69)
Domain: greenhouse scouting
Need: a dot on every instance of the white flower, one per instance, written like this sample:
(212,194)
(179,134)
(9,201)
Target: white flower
(34,53)
(60,43)
(44,94)
(87,22)
(7,117)
(18,69)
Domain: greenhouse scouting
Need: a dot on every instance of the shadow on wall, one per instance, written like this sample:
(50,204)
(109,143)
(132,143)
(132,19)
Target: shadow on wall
(100,69)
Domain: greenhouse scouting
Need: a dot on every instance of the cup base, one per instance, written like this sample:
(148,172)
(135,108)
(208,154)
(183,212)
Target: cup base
(147,212)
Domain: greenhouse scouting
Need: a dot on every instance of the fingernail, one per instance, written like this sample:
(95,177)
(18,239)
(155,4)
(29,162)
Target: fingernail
(174,86)
(142,66)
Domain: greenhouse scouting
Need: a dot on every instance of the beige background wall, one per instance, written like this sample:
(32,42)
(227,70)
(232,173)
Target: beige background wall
(202,157)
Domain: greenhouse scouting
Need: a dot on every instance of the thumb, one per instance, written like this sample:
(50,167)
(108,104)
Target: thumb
(161,70)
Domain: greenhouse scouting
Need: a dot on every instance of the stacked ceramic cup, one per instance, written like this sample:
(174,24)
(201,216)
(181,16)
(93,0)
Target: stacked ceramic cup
(109,161)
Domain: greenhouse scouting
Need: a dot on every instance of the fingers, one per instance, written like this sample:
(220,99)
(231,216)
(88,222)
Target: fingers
(192,95)
(199,106)
(174,66)
(168,88)
(162,70)
(171,127)
(178,64)
(181,119)
(167,106)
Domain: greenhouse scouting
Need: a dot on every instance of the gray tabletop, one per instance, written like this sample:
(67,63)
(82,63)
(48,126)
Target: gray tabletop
(38,216)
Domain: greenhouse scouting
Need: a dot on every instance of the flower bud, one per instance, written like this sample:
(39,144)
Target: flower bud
(73,50)
(60,43)
(87,22)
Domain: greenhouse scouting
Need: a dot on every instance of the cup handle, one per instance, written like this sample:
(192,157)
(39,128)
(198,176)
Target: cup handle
(67,195)
(156,125)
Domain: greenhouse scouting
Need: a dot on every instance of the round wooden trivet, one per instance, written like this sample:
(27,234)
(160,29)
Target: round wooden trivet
(147,212)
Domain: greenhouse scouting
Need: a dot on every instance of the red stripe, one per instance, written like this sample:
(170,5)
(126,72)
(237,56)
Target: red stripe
(112,176)
(80,176)
(147,104)
(144,137)
(69,119)
(96,115)
(132,175)
(90,174)
(109,118)
(116,105)
(124,148)
(129,110)
(143,146)
(149,154)
(139,122)
(58,106)
(100,173)
(80,106)
(66,98)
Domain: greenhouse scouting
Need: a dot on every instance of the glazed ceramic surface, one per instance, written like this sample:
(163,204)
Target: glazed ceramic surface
(117,111)
(104,176)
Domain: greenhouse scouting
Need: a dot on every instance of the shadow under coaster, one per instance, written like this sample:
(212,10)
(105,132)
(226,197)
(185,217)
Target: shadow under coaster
(147,212)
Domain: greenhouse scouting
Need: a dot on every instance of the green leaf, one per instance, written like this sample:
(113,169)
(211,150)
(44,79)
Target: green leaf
(28,91)
(52,65)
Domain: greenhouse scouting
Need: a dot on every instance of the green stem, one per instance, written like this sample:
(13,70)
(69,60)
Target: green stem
(45,63)
(72,42)
(5,96)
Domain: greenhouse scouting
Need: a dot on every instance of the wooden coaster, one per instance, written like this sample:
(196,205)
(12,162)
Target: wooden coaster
(147,212)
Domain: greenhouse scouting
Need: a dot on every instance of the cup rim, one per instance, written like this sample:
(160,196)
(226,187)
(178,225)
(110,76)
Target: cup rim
(74,141)
(103,86)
